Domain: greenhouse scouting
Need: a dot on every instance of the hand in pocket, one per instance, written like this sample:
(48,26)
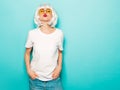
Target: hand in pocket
(32,74)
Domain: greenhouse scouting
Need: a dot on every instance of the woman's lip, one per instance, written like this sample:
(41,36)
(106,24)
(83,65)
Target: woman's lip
(45,15)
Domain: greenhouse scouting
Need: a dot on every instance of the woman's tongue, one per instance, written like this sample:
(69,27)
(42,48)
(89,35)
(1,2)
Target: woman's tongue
(45,15)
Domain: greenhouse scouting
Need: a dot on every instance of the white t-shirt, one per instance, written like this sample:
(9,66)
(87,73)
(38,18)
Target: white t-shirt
(45,51)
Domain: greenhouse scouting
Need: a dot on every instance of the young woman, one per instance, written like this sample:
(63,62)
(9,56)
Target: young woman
(47,44)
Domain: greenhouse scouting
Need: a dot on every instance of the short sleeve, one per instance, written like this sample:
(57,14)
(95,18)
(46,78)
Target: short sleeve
(61,39)
(29,42)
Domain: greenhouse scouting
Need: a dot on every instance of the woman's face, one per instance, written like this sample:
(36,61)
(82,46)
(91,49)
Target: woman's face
(45,14)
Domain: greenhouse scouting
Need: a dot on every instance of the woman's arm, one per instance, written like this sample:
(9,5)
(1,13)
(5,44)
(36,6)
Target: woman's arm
(60,59)
(32,74)
(57,70)
(27,58)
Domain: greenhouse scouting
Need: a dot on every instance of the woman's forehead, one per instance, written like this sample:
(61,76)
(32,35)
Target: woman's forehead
(45,7)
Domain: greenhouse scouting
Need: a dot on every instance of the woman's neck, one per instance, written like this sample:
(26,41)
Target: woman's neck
(46,28)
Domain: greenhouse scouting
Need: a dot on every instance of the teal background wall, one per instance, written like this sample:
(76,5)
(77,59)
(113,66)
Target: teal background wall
(91,58)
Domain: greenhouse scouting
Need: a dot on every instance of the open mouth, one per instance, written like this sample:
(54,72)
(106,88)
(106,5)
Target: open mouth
(45,15)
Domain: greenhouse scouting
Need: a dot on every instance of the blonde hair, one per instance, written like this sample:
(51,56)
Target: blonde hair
(52,22)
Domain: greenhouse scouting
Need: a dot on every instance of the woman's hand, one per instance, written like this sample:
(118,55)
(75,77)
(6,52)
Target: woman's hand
(32,74)
(56,72)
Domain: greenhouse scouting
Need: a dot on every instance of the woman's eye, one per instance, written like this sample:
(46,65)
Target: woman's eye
(42,11)
(48,10)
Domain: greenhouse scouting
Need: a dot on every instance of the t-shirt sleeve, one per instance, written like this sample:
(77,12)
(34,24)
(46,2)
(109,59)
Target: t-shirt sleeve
(29,42)
(61,39)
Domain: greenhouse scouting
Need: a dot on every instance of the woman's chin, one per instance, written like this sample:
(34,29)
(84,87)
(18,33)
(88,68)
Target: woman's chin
(45,20)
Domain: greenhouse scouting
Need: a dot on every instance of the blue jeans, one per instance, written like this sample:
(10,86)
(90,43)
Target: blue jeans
(37,84)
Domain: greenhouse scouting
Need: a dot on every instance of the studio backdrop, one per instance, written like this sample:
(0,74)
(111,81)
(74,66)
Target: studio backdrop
(91,55)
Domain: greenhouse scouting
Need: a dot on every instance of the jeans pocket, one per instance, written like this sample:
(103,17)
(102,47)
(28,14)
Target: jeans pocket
(32,79)
(57,79)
